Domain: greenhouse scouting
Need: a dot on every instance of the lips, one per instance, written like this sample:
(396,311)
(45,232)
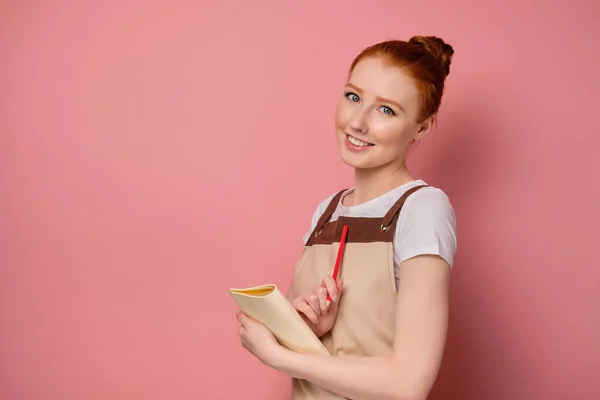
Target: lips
(357,142)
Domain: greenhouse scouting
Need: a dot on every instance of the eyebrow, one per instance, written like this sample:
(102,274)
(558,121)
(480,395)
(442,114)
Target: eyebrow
(382,99)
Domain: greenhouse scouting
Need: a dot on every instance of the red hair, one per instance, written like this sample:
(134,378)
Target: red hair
(425,58)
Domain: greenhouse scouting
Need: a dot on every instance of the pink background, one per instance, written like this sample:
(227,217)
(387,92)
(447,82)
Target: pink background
(150,150)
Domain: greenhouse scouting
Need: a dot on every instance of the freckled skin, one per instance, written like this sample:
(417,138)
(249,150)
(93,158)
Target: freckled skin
(380,105)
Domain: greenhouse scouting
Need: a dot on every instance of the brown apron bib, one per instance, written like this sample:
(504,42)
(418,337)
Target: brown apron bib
(366,318)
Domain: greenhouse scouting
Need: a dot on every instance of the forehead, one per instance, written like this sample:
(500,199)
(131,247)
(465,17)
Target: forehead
(378,78)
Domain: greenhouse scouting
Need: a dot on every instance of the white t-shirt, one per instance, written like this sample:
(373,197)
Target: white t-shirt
(426,224)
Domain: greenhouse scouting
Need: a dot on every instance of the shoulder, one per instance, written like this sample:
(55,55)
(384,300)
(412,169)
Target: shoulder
(429,201)
(318,211)
(426,225)
(322,206)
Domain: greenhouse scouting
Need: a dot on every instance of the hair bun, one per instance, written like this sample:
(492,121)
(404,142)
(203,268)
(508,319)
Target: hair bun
(439,49)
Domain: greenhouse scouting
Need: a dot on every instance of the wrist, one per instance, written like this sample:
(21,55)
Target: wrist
(281,358)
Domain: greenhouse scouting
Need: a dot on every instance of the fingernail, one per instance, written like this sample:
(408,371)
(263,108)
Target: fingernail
(335,298)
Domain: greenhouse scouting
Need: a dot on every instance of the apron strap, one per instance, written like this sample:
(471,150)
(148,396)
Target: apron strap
(327,214)
(393,212)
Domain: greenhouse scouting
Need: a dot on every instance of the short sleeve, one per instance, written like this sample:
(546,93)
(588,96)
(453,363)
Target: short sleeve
(426,225)
(321,207)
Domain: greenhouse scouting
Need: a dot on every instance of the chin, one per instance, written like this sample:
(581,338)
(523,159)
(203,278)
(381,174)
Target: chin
(364,161)
(354,161)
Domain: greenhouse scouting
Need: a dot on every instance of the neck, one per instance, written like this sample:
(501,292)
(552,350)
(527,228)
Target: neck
(374,182)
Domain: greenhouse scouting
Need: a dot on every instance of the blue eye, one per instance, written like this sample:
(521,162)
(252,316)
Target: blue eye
(352,96)
(387,110)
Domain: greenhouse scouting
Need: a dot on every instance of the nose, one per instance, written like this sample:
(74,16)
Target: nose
(359,122)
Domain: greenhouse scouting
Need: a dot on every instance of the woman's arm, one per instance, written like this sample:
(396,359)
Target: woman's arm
(409,373)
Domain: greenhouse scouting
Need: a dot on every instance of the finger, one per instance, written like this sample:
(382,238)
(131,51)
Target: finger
(331,286)
(241,316)
(245,319)
(333,307)
(303,307)
(312,299)
(322,294)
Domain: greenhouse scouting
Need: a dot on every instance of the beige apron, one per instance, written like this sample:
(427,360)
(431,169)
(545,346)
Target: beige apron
(366,318)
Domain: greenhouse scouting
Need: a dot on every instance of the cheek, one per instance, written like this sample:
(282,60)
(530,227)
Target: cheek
(341,115)
(389,133)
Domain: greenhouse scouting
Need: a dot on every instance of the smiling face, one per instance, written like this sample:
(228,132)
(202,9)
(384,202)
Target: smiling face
(376,118)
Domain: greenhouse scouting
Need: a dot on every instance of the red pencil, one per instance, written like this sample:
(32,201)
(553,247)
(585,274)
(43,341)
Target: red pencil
(338,261)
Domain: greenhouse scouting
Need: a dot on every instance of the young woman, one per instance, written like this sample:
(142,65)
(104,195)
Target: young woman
(386,324)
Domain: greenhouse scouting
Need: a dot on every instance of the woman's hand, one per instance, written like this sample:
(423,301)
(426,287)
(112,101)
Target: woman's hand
(314,308)
(259,340)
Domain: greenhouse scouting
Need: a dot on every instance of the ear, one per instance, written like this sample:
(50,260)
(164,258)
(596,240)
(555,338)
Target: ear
(425,128)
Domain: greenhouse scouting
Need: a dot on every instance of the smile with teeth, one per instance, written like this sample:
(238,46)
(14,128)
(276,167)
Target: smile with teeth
(358,142)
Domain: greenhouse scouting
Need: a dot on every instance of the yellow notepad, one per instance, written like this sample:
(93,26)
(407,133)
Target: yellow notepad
(269,306)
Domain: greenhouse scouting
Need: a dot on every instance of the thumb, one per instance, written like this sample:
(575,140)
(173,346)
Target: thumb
(339,284)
